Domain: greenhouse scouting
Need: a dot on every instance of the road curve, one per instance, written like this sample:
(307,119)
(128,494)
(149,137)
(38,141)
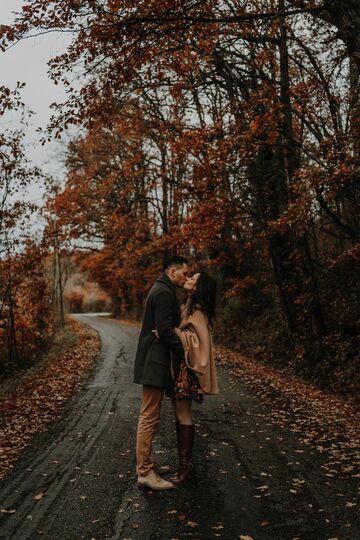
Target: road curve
(254,478)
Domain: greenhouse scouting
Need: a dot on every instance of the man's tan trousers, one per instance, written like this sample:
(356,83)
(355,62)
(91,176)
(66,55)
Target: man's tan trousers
(148,420)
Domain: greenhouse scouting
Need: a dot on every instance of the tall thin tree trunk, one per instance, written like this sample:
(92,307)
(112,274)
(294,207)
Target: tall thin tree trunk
(291,164)
(58,266)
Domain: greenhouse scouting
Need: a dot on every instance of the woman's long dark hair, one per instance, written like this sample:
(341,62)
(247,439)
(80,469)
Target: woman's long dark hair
(203,297)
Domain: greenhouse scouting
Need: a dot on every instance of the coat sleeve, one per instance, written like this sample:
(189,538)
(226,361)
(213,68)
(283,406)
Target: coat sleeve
(194,335)
(163,320)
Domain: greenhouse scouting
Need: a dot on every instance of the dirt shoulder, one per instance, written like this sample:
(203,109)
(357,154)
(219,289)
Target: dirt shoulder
(29,402)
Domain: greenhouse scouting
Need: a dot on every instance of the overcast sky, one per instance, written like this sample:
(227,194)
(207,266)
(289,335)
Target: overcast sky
(27,62)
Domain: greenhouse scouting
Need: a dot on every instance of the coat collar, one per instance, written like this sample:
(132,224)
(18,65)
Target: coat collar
(164,278)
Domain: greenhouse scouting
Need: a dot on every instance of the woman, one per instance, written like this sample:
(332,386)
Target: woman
(196,374)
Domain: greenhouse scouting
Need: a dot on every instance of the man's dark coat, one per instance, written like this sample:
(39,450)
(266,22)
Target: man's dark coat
(153,355)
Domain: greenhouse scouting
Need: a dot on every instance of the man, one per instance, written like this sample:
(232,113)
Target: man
(152,364)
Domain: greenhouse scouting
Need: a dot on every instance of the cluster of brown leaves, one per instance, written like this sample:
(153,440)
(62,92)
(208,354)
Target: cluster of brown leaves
(40,395)
(24,291)
(185,156)
(26,306)
(226,132)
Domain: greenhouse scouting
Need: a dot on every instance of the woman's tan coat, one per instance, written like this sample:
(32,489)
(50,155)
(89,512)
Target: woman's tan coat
(195,334)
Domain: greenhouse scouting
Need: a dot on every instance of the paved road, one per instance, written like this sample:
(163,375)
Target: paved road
(254,478)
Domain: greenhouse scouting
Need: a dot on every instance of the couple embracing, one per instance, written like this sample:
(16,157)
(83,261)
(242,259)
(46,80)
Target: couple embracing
(174,357)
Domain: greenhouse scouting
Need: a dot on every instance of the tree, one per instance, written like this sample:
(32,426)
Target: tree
(228,132)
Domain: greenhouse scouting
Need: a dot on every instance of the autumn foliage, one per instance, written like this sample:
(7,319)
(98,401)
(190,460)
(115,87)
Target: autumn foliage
(227,133)
(26,314)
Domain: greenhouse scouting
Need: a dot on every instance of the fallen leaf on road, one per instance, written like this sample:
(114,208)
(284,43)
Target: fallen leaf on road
(39,396)
(6,511)
(39,496)
(264,523)
(191,524)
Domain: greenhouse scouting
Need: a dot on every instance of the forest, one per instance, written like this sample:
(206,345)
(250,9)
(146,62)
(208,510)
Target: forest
(225,131)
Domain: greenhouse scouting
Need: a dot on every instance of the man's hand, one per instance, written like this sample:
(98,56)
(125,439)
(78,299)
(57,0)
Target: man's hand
(156,333)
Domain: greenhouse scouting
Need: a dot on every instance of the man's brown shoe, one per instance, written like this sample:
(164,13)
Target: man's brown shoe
(153,481)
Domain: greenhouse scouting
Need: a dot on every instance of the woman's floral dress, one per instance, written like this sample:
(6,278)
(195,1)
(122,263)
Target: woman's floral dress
(185,385)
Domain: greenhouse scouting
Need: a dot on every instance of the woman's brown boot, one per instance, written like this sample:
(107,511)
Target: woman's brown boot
(186,469)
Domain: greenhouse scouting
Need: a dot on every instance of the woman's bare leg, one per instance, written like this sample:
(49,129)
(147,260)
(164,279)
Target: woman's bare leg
(182,410)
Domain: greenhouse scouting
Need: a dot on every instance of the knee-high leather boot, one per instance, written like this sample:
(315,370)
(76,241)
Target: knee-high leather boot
(186,469)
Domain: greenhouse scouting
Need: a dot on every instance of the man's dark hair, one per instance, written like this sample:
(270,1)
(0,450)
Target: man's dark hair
(175,260)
